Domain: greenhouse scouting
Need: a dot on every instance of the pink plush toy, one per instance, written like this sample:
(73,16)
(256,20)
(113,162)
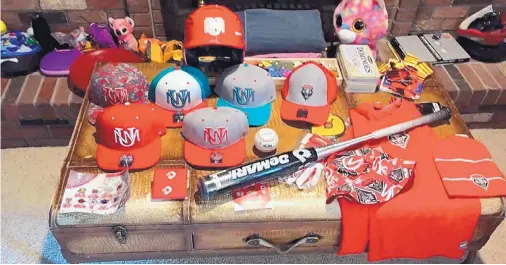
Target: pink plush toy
(361,22)
(123,28)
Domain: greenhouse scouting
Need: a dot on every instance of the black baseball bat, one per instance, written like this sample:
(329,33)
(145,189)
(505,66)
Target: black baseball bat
(286,163)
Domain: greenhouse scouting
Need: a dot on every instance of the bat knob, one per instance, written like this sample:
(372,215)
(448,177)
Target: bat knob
(446,113)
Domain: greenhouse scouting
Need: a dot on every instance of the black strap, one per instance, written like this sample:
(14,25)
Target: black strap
(125,5)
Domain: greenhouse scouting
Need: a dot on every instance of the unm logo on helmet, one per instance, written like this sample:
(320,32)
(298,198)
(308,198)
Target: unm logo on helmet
(244,96)
(128,137)
(307,91)
(215,136)
(178,99)
(214,26)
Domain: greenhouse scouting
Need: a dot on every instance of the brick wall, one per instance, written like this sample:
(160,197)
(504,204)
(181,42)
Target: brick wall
(37,111)
(406,16)
(65,15)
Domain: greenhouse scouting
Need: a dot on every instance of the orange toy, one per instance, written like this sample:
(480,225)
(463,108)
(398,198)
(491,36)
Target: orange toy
(143,43)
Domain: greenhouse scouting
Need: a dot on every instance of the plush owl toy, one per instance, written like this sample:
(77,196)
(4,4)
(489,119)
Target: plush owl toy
(361,22)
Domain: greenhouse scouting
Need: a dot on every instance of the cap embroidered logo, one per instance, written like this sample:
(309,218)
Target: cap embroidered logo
(214,26)
(244,96)
(128,137)
(178,99)
(115,96)
(307,91)
(215,137)
(301,113)
(480,181)
(216,158)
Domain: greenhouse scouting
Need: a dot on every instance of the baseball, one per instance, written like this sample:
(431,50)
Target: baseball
(266,140)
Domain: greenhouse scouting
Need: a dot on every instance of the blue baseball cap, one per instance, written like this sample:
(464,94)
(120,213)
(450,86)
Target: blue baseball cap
(249,89)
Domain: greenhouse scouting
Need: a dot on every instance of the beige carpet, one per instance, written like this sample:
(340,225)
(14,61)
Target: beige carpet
(28,180)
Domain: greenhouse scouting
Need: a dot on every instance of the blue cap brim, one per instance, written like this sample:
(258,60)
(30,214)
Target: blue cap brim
(256,116)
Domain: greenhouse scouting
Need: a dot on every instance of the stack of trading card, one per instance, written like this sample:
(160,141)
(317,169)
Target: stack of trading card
(402,82)
(359,69)
(404,77)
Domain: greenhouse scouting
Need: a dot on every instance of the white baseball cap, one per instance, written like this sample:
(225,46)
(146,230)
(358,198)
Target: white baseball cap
(215,137)
(179,90)
(248,88)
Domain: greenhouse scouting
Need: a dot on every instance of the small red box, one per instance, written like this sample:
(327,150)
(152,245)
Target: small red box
(170,184)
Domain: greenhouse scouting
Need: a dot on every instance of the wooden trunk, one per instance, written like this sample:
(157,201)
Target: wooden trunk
(197,228)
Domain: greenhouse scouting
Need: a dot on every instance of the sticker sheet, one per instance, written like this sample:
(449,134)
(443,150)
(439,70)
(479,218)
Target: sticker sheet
(94,193)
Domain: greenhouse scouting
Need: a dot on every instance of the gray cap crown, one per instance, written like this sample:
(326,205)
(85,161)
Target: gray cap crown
(308,86)
(246,86)
(215,128)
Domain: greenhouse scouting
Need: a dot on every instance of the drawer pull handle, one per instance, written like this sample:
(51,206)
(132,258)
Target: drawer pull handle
(256,240)
(121,234)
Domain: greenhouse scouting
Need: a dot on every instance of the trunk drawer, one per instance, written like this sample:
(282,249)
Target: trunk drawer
(235,238)
(136,241)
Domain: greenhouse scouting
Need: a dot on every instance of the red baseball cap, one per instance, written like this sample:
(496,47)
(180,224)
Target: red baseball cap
(308,92)
(213,25)
(130,132)
(215,137)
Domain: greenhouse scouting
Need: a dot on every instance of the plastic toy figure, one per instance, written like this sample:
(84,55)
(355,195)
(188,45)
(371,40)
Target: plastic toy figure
(3,27)
(361,22)
(101,36)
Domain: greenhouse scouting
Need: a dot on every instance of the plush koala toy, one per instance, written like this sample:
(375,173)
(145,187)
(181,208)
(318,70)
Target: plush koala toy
(123,29)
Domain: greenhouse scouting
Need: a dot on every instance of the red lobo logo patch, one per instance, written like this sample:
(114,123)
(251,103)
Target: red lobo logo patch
(307,91)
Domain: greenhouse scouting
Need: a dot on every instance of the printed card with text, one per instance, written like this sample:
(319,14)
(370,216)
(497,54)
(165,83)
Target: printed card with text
(254,197)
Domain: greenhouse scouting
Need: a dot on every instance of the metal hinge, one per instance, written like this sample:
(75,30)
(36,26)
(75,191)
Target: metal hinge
(121,233)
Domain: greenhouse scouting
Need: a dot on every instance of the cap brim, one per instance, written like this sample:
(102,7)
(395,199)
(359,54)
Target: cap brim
(172,121)
(92,112)
(295,112)
(143,157)
(230,156)
(257,116)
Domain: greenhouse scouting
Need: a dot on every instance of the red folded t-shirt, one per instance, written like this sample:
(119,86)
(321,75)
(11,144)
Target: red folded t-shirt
(421,221)
(467,169)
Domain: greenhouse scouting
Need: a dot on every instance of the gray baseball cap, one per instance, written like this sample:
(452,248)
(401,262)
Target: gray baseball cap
(308,93)
(248,88)
(215,137)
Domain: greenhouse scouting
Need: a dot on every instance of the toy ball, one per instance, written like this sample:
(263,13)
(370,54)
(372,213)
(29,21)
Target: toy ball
(266,140)
(117,83)
(3,27)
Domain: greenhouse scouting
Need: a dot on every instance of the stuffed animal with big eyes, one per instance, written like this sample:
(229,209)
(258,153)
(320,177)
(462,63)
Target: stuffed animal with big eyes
(123,29)
(361,22)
